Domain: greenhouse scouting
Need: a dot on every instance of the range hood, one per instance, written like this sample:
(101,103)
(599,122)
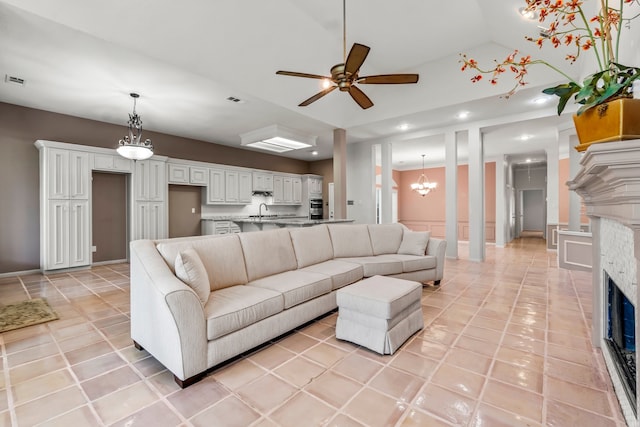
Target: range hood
(262,193)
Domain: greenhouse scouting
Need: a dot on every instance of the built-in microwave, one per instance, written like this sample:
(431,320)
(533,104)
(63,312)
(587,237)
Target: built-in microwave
(315,208)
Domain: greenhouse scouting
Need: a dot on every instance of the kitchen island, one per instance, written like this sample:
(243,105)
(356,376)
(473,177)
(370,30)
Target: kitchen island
(254,223)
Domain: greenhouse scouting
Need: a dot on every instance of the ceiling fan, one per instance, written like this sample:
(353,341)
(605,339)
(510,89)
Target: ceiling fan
(344,76)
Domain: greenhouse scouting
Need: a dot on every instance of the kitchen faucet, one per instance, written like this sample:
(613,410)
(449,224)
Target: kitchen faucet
(260,210)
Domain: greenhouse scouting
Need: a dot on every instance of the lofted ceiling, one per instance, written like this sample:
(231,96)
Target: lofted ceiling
(186,58)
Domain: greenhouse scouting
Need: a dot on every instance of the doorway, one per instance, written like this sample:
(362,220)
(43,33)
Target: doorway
(533,210)
(184,210)
(109,217)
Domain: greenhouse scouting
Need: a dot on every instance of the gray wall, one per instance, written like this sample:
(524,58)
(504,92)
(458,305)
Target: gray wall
(20,127)
(182,221)
(109,216)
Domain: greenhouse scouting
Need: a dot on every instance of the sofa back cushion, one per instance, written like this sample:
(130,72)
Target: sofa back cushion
(311,244)
(385,238)
(221,256)
(267,253)
(350,240)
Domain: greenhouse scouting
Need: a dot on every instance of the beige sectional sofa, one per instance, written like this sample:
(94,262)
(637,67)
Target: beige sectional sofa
(199,301)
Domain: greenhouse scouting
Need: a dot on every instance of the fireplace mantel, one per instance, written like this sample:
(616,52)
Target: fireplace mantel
(609,184)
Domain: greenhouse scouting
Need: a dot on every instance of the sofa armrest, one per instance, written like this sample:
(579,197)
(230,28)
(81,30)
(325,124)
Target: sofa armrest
(167,318)
(437,248)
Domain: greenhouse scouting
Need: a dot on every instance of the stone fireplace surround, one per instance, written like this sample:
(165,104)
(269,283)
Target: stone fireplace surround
(609,183)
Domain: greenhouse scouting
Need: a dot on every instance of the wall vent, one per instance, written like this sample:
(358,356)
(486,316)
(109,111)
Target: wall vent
(13,79)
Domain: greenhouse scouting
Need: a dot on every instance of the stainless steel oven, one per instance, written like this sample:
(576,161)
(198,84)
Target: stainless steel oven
(315,208)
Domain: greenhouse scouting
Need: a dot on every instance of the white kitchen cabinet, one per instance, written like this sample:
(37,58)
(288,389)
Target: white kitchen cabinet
(262,181)
(232,187)
(216,187)
(278,189)
(296,197)
(150,180)
(245,187)
(109,163)
(67,234)
(150,220)
(187,175)
(315,186)
(67,174)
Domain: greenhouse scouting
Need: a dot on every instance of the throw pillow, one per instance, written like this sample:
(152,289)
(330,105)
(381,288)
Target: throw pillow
(190,269)
(414,242)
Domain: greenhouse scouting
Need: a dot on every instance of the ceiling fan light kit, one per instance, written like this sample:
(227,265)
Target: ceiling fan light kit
(344,76)
(277,138)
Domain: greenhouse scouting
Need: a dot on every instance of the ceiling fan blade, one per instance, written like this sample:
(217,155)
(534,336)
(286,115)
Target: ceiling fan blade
(389,79)
(317,96)
(295,74)
(356,57)
(359,96)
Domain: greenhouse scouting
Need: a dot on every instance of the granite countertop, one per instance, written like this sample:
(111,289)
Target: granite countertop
(277,220)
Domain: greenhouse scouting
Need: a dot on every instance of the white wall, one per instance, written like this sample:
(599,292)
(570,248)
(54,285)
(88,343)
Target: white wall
(361,183)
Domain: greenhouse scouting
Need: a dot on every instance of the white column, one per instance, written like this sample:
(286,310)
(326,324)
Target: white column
(553,184)
(476,196)
(386,211)
(340,173)
(574,198)
(451,194)
(501,202)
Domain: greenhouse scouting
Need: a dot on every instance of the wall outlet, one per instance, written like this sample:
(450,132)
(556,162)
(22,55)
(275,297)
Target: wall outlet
(193,210)
(94,249)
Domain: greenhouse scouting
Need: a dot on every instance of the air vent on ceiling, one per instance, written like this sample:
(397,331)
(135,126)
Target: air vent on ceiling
(13,79)
(234,99)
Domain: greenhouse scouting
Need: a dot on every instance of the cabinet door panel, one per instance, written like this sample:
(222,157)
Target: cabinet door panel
(297,191)
(155,226)
(198,176)
(287,183)
(58,173)
(278,189)
(57,235)
(141,178)
(245,187)
(178,174)
(231,186)
(156,180)
(215,189)
(79,175)
(79,239)
(103,162)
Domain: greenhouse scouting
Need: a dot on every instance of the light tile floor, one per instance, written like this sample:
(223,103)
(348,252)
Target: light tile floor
(506,343)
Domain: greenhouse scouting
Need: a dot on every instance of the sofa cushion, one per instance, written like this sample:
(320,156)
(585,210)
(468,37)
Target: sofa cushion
(221,256)
(376,265)
(414,242)
(267,253)
(236,307)
(295,286)
(191,271)
(412,262)
(312,245)
(385,238)
(350,240)
(341,273)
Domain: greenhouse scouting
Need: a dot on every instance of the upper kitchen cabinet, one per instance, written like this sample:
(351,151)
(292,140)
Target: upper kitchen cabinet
(150,180)
(287,190)
(231,187)
(67,174)
(110,163)
(187,175)
(262,182)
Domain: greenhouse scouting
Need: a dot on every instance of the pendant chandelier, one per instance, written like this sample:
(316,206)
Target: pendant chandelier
(423,186)
(131,146)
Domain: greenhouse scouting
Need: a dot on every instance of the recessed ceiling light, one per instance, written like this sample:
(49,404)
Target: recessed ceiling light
(314,153)
(528,160)
(403,126)
(462,115)
(541,100)
(524,137)
(527,14)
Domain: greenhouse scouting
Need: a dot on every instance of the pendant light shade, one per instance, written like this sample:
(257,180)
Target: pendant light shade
(131,146)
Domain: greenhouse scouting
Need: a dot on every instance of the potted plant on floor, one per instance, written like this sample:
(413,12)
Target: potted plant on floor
(608,111)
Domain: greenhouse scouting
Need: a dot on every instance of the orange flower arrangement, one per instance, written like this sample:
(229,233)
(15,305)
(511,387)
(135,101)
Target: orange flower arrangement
(568,26)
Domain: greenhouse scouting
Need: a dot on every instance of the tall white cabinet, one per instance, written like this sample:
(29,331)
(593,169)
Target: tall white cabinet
(150,200)
(65,191)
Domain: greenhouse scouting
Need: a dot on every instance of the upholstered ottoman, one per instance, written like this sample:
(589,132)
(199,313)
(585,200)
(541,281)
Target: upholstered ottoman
(379,313)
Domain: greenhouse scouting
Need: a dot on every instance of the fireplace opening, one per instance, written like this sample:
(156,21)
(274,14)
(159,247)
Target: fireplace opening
(621,338)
